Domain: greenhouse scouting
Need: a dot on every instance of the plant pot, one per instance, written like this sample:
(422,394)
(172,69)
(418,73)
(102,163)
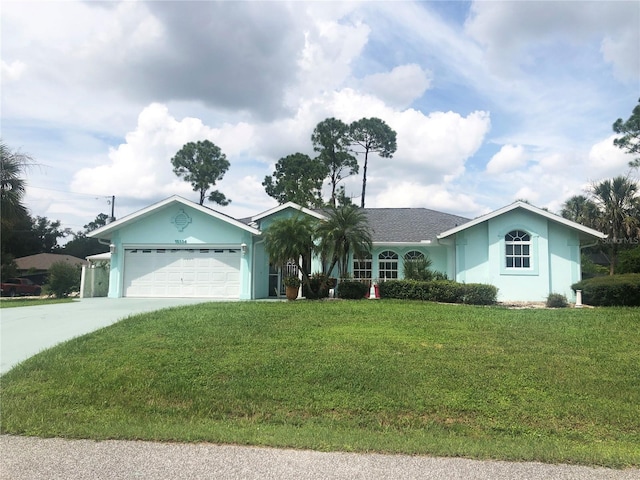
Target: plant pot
(291,293)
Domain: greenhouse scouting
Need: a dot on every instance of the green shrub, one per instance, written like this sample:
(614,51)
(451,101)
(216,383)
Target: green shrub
(591,269)
(351,289)
(417,269)
(629,261)
(320,285)
(557,300)
(445,291)
(613,290)
(479,294)
(63,279)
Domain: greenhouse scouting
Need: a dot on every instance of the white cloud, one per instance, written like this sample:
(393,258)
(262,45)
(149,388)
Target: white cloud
(141,167)
(399,87)
(439,143)
(12,71)
(514,32)
(620,53)
(606,160)
(437,197)
(508,158)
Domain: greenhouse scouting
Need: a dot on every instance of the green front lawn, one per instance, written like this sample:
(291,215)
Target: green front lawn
(383,376)
(31,302)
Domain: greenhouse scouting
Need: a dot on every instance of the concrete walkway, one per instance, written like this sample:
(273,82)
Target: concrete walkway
(25,331)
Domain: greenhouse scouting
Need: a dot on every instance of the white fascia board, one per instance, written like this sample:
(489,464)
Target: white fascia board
(104,232)
(419,243)
(530,208)
(284,206)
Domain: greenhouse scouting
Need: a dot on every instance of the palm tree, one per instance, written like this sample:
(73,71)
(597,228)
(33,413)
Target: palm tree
(12,185)
(582,210)
(290,240)
(345,231)
(619,206)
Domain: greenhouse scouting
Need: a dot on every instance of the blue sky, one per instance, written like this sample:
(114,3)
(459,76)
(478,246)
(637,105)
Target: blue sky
(492,101)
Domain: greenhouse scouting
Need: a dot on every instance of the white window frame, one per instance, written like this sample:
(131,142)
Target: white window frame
(388,265)
(518,250)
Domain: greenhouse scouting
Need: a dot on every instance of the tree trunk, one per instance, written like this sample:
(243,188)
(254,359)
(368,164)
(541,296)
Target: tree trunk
(614,257)
(364,178)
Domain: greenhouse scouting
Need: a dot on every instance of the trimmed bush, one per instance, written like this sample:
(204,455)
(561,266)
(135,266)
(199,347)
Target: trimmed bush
(63,279)
(445,291)
(479,294)
(613,290)
(557,300)
(351,290)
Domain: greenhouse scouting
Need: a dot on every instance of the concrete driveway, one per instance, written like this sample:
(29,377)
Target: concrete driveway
(25,331)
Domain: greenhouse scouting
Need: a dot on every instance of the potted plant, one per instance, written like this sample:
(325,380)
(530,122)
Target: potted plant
(292,285)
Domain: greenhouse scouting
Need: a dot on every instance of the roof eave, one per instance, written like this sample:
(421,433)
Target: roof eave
(525,206)
(284,206)
(106,231)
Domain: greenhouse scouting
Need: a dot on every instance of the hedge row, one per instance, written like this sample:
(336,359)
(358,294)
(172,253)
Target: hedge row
(614,290)
(440,291)
(351,290)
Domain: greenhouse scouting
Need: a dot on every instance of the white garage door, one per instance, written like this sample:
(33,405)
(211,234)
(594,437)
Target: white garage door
(176,272)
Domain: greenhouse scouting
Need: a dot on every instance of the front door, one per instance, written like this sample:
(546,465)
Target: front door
(276,276)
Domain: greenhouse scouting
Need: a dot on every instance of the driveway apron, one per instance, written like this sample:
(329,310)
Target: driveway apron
(25,331)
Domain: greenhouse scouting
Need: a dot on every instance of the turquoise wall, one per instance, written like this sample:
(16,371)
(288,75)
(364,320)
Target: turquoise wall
(474,255)
(260,284)
(555,250)
(564,260)
(437,253)
(159,229)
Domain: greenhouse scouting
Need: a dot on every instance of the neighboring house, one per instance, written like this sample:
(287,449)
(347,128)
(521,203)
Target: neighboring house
(177,248)
(36,267)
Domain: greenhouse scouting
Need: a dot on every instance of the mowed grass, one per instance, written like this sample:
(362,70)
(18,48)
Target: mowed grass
(31,301)
(367,376)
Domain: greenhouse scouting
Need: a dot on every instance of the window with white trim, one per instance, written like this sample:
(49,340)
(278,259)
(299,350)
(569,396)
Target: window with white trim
(517,249)
(388,265)
(362,267)
(414,255)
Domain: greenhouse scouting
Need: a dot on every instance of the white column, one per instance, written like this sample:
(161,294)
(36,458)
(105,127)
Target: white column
(578,298)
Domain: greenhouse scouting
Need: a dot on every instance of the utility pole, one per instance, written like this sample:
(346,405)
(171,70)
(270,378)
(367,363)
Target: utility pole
(113,206)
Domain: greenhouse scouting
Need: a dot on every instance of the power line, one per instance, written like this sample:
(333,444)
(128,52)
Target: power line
(72,193)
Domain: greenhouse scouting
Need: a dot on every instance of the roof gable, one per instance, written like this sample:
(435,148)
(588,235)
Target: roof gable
(530,208)
(285,206)
(105,232)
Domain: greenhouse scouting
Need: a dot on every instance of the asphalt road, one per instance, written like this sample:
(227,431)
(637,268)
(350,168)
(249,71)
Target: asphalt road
(25,458)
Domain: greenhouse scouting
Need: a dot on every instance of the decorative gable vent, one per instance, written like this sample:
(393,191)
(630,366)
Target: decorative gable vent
(181,220)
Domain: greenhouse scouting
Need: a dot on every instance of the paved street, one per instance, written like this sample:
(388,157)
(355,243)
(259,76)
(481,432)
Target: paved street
(48,459)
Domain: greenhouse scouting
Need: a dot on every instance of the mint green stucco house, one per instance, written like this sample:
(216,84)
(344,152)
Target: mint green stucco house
(177,248)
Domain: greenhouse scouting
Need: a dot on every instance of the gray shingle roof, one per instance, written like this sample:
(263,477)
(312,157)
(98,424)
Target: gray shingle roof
(409,224)
(405,224)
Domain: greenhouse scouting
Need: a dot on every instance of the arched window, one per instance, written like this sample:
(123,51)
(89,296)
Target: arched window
(517,249)
(414,255)
(388,265)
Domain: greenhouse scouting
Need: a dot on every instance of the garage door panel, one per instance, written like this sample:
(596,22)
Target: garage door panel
(206,273)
